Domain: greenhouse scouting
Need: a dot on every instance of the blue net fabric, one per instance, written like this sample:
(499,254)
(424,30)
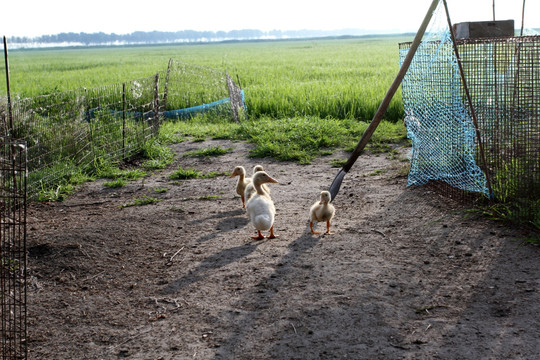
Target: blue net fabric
(438,123)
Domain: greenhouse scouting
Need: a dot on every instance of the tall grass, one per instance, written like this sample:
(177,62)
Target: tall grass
(338,78)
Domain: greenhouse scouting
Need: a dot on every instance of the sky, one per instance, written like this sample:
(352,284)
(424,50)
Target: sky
(34,18)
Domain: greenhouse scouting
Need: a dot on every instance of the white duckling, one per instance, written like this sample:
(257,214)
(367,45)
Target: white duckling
(250,189)
(322,211)
(242,183)
(260,207)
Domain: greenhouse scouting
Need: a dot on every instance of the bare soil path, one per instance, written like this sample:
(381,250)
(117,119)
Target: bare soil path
(407,274)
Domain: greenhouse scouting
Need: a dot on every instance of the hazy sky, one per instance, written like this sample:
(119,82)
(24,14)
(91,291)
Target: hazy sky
(40,17)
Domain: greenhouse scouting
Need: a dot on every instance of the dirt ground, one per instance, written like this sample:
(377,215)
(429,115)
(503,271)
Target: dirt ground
(407,274)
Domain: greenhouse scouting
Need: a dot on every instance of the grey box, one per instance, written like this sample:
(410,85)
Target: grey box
(483,29)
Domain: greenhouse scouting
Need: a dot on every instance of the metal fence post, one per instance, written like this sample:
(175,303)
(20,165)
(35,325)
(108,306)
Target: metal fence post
(156,105)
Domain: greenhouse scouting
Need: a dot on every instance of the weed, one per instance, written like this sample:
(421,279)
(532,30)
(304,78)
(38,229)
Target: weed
(209,197)
(211,151)
(338,163)
(375,172)
(146,200)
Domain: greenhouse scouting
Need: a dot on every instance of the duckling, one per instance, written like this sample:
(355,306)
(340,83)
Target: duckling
(260,207)
(250,189)
(242,183)
(322,211)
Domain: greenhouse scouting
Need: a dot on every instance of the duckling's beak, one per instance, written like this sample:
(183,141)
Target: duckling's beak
(272,180)
(233,174)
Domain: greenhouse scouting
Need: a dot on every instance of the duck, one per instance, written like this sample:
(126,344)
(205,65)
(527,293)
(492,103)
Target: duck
(250,189)
(322,211)
(240,171)
(260,207)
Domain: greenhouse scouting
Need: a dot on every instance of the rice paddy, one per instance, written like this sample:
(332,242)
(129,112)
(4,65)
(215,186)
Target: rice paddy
(326,78)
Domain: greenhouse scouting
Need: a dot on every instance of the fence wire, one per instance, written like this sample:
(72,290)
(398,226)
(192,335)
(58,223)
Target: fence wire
(503,78)
(13,250)
(47,139)
(77,129)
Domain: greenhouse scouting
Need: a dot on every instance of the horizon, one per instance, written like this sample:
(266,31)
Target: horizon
(121,17)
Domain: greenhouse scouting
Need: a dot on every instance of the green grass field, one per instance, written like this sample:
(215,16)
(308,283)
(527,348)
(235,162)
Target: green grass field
(337,78)
(305,98)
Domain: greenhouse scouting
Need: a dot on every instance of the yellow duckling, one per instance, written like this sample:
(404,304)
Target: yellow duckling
(322,211)
(250,189)
(242,183)
(260,207)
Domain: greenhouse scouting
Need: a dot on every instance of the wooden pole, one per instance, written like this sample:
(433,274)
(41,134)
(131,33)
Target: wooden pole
(336,184)
(522,18)
(10,110)
(166,89)
(469,99)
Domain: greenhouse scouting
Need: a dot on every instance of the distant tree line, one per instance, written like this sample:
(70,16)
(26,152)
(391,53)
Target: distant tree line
(155,37)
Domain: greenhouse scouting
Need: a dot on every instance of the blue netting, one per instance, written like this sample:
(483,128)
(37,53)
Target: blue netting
(222,105)
(438,123)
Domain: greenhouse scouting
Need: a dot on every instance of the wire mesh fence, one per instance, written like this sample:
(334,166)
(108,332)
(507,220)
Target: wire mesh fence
(13,249)
(46,139)
(503,78)
(78,128)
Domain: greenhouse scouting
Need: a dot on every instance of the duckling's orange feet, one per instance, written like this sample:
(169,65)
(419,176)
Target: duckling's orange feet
(272,235)
(328,228)
(259,237)
(311,227)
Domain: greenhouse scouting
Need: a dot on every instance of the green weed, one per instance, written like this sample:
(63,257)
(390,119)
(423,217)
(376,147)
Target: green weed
(211,151)
(146,200)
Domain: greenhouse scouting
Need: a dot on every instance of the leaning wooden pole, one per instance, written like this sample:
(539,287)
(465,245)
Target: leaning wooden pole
(336,183)
(522,18)
(10,110)
(469,99)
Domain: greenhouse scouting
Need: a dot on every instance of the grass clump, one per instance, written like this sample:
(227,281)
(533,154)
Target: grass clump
(301,139)
(57,181)
(118,183)
(145,200)
(211,151)
(293,139)
(199,128)
(187,174)
(338,163)
(209,197)
(157,154)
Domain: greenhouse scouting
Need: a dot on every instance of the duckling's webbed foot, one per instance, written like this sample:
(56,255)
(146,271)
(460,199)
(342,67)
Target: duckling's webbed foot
(272,235)
(328,228)
(259,237)
(311,227)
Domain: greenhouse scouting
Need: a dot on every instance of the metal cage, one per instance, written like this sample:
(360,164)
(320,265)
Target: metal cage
(13,250)
(503,78)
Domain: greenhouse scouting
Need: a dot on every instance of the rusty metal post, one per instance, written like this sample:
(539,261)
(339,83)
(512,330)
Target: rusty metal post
(469,99)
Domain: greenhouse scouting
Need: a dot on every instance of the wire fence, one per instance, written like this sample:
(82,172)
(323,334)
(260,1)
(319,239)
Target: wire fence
(503,78)
(47,139)
(79,128)
(13,250)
